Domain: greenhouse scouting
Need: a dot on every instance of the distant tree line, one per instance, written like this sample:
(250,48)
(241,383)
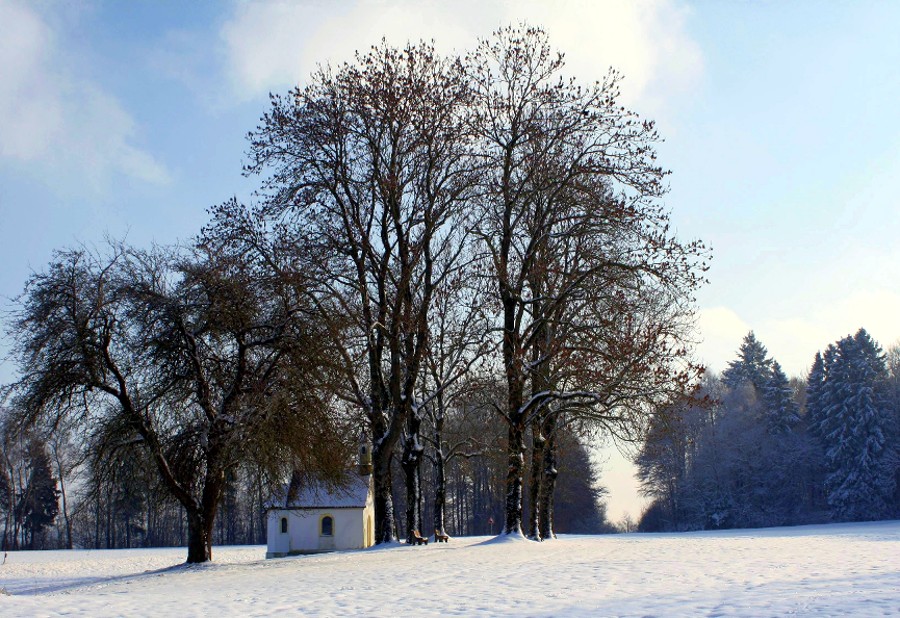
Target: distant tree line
(756,449)
(29,498)
(472,498)
(51,497)
(61,503)
(458,254)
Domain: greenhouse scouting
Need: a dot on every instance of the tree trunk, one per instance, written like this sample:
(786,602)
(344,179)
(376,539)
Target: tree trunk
(420,501)
(4,544)
(440,485)
(548,480)
(60,470)
(514,475)
(151,515)
(109,515)
(97,521)
(201,521)
(199,538)
(128,529)
(457,502)
(535,481)
(410,465)
(385,530)
(262,522)
(411,462)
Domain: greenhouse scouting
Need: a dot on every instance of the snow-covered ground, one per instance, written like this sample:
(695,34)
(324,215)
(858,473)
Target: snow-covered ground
(837,570)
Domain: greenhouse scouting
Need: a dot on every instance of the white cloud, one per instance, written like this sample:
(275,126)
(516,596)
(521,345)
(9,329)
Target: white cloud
(793,340)
(645,40)
(30,112)
(274,45)
(51,117)
(721,331)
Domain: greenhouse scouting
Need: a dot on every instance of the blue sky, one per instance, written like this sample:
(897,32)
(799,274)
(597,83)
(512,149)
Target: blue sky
(780,122)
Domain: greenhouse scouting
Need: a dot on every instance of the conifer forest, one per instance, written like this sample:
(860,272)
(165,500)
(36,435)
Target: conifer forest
(757,449)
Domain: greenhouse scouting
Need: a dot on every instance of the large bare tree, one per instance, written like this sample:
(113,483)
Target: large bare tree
(203,358)
(369,167)
(593,293)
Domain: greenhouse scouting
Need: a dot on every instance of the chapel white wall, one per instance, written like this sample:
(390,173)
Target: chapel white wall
(304,527)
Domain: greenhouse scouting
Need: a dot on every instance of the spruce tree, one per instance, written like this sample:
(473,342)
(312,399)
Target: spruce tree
(751,367)
(39,502)
(815,392)
(778,397)
(858,483)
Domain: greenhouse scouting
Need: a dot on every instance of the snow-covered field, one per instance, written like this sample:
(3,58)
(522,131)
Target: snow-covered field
(837,570)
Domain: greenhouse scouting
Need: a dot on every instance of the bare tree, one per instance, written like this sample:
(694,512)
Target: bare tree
(370,170)
(14,474)
(457,347)
(67,462)
(592,291)
(203,358)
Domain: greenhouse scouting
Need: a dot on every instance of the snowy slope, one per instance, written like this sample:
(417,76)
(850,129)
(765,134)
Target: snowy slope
(850,569)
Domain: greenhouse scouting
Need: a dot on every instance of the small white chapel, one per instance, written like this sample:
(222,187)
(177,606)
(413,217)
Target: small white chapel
(320,519)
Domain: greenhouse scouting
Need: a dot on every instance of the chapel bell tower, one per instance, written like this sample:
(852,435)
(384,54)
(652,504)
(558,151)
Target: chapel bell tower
(365,455)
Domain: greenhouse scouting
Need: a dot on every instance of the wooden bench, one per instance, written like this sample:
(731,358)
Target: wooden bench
(418,539)
(440,538)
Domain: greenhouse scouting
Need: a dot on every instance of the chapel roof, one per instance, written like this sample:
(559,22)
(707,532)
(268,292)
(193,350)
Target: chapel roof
(315,495)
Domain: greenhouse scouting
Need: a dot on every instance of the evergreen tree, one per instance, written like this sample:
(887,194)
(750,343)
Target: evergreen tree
(39,502)
(815,391)
(778,397)
(859,482)
(751,367)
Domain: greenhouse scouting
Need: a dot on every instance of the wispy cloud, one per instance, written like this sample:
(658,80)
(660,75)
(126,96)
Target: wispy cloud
(53,118)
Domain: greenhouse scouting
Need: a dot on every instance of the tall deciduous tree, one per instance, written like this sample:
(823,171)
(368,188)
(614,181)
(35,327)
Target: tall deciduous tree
(591,291)
(370,166)
(457,342)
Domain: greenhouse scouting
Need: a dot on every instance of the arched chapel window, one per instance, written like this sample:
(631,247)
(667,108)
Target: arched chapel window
(283,525)
(327,526)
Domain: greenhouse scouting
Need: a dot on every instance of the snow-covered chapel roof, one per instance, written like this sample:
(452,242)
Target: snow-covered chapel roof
(315,495)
